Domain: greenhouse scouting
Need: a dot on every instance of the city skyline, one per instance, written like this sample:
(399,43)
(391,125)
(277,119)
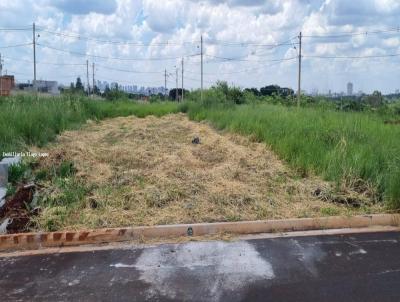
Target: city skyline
(154,90)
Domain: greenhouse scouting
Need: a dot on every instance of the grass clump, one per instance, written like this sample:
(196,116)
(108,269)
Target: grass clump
(60,194)
(17,172)
(341,146)
(26,120)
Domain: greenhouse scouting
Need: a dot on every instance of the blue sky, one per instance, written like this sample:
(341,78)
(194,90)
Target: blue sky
(160,32)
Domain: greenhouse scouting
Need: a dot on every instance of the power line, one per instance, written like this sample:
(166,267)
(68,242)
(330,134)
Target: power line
(247,69)
(17,72)
(216,59)
(353,57)
(126,70)
(245,44)
(116,58)
(244,60)
(16,45)
(44,63)
(28,74)
(345,34)
(86,38)
(167,43)
(16,29)
(70,76)
(210,40)
(199,80)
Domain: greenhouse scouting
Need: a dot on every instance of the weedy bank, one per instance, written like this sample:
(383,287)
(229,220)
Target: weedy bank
(26,120)
(128,171)
(358,150)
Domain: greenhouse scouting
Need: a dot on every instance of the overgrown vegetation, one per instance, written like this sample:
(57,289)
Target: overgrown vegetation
(25,120)
(359,149)
(351,141)
(60,193)
(154,174)
(221,93)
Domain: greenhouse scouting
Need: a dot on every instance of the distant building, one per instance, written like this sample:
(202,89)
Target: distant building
(25,86)
(134,89)
(360,93)
(48,87)
(7,83)
(349,88)
(314,92)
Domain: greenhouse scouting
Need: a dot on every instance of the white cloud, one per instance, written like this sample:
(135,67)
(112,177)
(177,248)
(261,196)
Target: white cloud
(163,17)
(82,7)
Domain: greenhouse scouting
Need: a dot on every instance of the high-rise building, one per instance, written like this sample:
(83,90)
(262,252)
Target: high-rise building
(349,88)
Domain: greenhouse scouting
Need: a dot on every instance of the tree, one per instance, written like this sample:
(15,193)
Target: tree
(232,94)
(172,93)
(275,89)
(79,85)
(286,92)
(269,90)
(96,90)
(375,99)
(253,91)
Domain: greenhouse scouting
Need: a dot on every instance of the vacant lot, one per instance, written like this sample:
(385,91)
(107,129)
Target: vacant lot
(146,171)
(359,150)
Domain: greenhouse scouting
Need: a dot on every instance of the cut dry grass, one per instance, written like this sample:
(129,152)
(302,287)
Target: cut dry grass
(134,171)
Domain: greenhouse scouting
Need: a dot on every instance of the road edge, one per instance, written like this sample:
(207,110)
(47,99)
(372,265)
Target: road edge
(33,241)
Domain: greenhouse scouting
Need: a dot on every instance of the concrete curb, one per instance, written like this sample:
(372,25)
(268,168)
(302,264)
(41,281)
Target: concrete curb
(5,163)
(25,241)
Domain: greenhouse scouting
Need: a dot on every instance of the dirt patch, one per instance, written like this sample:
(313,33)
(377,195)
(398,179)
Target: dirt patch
(16,210)
(392,122)
(148,171)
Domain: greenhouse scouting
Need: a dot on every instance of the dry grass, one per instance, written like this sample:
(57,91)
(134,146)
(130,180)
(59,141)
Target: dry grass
(147,172)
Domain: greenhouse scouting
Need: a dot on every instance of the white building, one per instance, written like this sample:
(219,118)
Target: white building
(48,87)
(349,88)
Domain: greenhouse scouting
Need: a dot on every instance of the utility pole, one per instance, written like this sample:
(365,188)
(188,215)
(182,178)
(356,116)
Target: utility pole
(34,55)
(1,74)
(201,54)
(182,81)
(93,92)
(299,76)
(87,77)
(165,83)
(176,90)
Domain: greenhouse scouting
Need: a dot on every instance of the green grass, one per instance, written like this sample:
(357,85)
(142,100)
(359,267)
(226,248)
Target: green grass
(25,120)
(355,148)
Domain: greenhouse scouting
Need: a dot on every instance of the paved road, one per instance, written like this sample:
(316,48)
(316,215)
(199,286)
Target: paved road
(357,267)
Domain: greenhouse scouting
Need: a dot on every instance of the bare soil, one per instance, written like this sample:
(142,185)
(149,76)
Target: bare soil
(148,171)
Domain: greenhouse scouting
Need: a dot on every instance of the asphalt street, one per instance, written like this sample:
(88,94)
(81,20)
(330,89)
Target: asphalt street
(352,267)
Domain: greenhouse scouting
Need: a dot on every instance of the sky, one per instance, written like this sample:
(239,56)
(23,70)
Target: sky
(248,43)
